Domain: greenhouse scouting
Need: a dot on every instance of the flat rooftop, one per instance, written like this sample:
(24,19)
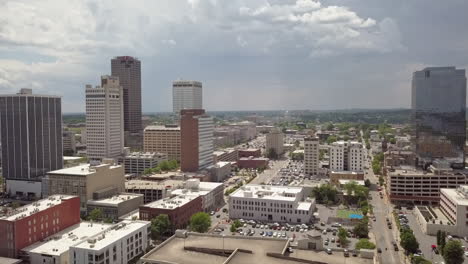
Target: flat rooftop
(35,207)
(60,242)
(83,169)
(115,200)
(112,234)
(155,185)
(416,172)
(161,128)
(455,194)
(358,182)
(250,149)
(10,260)
(145,155)
(172,202)
(268,192)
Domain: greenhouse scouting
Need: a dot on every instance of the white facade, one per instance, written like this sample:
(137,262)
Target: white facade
(271,204)
(275,140)
(119,244)
(186,95)
(346,156)
(311,156)
(104,119)
(454,204)
(205,141)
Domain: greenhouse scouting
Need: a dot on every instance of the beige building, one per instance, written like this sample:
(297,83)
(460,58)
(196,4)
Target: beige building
(86,181)
(336,176)
(311,155)
(275,140)
(117,205)
(163,139)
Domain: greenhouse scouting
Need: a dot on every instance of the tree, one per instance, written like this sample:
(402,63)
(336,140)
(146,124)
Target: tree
(420,260)
(325,193)
(200,222)
(95,214)
(271,154)
(15,205)
(408,241)
(160,225)
(443,241)
(381,180)
(361,229)
(331,139)
(367,183)
(342,235)
(453,252)
(364,243)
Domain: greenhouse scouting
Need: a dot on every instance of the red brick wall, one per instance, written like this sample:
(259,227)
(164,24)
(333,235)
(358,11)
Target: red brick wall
(38,226)
(249,153)
(189,139)
(252,163)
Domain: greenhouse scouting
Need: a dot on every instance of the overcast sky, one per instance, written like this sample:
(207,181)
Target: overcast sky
(250,54)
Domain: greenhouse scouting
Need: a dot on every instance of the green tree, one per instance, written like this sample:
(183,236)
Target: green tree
(408,241)
(331,139)
(443,240)
(271,154)
(364,243)
(200,222)
(15,205)
(361,229)
(342,235)
(420,260)
(381,180)
(325,193)
(453,252)
(367,183)
(160,225)
(95,214)
(330,126)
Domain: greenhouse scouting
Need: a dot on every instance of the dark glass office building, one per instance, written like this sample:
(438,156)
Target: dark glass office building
(128,69)
(438,103)
(31,135)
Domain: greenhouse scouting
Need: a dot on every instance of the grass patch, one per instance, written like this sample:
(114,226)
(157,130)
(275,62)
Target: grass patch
(347,213)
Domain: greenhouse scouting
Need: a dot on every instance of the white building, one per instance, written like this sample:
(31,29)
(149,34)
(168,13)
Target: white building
(311,156)
(136,162)
(211,193)
(119,244)
(275,140)
(454,204)
(104,119)
(346,156)
(271,204)
(54,249)
(205,141)
(186,95)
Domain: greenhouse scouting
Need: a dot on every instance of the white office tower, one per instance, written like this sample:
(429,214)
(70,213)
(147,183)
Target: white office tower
(205,141)
(275,141)
(346,156)
(311,155)
(104,119)
(186,95)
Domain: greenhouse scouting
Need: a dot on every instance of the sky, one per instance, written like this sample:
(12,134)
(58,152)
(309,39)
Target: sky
(249,54)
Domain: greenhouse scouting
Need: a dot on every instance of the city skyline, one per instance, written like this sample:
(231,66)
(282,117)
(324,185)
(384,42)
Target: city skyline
(292,54)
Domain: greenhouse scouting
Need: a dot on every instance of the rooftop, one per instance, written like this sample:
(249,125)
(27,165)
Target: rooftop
(142,184)
(60,242)
(144,155)
(82,170)
(250,149)
(157,128)
(116,199)
(35,207)
(460,195)
(343,182)
(172,202)
(267,192)
(111,235)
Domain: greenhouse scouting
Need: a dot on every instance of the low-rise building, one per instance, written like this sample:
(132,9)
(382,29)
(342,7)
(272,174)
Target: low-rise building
(272,204)
(220,171)
(136,162)
(225,155)
(336,176)
(252,163)
(413,185)
(251,152)
(85,180)
(179,209)
(210,192)
(117,205)
(397,158)
(153,190)
(28,224)
(120,243)
(55,248)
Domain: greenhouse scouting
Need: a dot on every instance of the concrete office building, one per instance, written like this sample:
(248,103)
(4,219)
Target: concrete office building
(120,243)
(186,95)
(275,141)
(211,193)
(196,132)
(28,224)
(454,204)
(86,181)
(226,155)
(346,156)
(220,171)
(438,102)
(31,139)
(128,70)
(251,152)
(55,248)
(69,142)
(311,156)
(413,185)
(117,205)
(153,190)
(135,163)
(163,139)
(271,204)
(104,119)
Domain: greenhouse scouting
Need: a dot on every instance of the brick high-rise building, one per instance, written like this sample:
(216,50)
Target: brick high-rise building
(34,222)
(31,138)
(196,133)
(128,69)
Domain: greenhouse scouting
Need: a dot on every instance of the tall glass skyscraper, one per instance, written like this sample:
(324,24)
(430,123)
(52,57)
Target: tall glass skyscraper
(438,102)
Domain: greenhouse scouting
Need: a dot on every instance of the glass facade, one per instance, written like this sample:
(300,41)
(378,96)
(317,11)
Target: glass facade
(438,112)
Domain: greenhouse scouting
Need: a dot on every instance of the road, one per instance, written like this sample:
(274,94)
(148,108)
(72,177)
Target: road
(268,174)
(382,209)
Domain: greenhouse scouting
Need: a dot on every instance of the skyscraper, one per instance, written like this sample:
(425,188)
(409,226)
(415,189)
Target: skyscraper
(196,140)
(311,155)
(128,69)
(186,95)
(104,119)
(31,136)
(275,142)
(438,101)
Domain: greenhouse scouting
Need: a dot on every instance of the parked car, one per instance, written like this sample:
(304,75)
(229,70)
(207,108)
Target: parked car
(329,251)
(346,253)
(379,250)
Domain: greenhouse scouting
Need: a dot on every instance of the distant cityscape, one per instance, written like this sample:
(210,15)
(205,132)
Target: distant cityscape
(115,185)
